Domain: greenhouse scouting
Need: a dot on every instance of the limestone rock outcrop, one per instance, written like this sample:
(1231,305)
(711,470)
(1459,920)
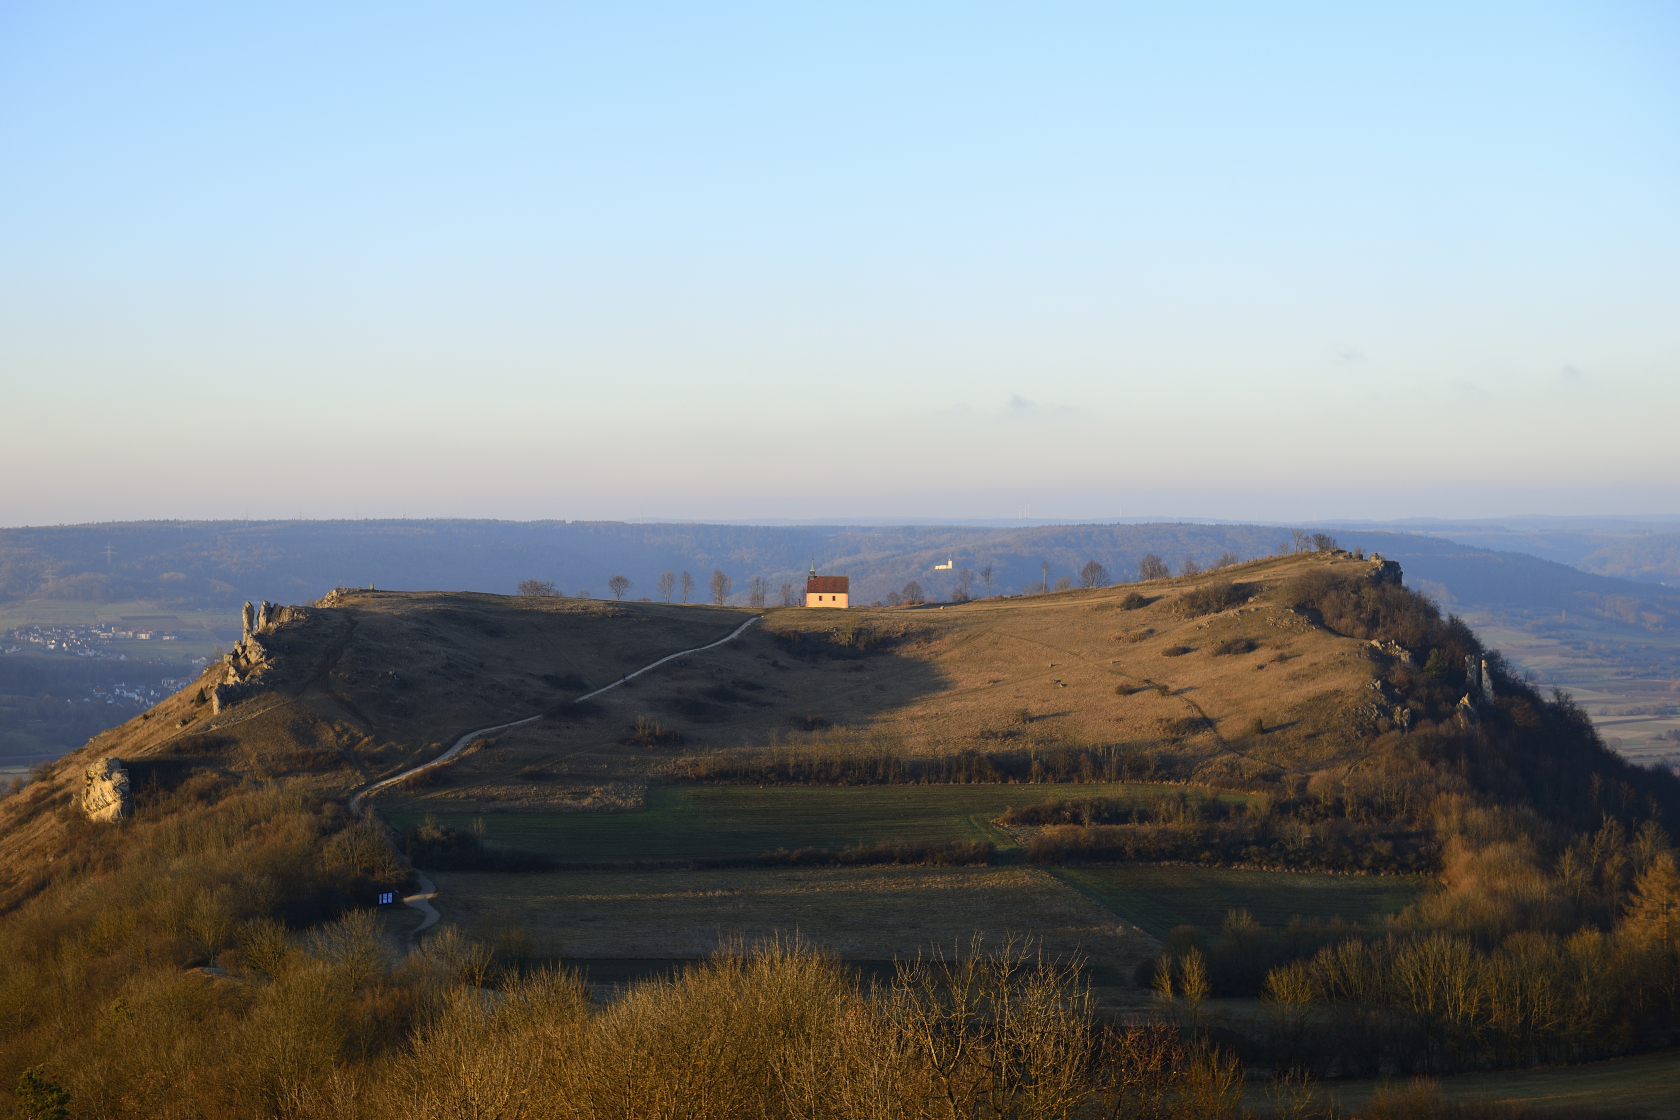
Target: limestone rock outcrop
(1392,649)
(1467,713)
(1385,571)
(105,793)
(250,660)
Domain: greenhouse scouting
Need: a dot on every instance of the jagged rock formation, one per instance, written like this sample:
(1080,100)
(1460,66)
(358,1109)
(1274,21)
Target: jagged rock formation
(1478,683)
(1385,571)
(1388,708)
(1393,649)
(1467,713)
(105,795)
(248,663)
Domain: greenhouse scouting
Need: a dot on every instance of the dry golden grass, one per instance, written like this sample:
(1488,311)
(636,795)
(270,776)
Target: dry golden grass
(383,680)
(990,675)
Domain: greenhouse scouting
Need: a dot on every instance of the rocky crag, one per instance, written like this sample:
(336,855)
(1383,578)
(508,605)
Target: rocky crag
(105,791)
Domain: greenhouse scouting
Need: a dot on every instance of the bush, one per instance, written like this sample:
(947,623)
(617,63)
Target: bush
(1232,646)
(39,1097)
(956,853)
(650,733)
(1210,598)
(438,847)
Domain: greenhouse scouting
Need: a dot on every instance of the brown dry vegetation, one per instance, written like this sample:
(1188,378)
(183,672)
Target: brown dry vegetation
(208,957)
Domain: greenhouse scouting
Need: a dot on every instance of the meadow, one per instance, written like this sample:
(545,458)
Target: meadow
(697,822)
(1159,899)
(860,914)
(1643,1085)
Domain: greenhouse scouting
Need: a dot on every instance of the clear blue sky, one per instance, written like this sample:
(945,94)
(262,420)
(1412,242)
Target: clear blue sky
(1268,261)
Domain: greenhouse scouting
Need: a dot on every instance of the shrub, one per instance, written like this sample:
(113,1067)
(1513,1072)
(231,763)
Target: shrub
(439,847)
(1209,598)
(650,733)
(39,1097)
(956,853)
(1132,601)
(1232,646)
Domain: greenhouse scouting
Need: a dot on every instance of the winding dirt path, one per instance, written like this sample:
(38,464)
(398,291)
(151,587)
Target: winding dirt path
(422,900)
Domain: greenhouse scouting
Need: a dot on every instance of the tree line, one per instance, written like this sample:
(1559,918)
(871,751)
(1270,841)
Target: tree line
(1093,575)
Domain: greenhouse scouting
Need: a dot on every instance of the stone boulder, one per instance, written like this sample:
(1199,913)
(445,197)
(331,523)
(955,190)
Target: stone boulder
(105,794)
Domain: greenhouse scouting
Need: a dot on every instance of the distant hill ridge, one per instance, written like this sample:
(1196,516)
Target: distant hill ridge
(220,564)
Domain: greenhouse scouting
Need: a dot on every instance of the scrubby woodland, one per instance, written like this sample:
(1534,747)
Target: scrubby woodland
(212,955)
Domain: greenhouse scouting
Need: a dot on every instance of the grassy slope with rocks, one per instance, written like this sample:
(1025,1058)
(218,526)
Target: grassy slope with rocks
(213,943)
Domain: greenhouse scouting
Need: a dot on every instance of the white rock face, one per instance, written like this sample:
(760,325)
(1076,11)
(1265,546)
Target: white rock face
(105,792)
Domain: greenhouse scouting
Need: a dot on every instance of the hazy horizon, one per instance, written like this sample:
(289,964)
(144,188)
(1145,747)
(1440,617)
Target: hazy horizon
(749,262)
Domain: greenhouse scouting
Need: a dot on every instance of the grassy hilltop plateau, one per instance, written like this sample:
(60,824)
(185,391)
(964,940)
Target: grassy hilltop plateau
(1073,854)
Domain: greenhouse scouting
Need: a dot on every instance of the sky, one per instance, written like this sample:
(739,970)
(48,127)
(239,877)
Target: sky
(734,262)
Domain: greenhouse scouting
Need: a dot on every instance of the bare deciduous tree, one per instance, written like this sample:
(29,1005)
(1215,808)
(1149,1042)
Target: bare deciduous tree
(687,586)
(986,577)
(894,599)
(1228,558)
(1153,567)
(965,584)
(667,584)
(720,587)
(537,587)
(1299,540)
(1093,575)
(787,594)
(913,595)
(1044,580)
(618,585)
(1064,583)
(756,591)
(1190,567)
(1324,542)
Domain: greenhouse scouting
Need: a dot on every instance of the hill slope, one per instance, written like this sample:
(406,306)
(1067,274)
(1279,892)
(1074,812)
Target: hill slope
(1236,678)
(1094,769)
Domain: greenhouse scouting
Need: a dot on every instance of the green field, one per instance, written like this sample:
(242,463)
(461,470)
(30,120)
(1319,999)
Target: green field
(1156,898)
(1646,1085)
(688,822)
(870,913)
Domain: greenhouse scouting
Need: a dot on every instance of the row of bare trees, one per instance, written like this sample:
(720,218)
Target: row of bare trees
(670,584)
(1093,575)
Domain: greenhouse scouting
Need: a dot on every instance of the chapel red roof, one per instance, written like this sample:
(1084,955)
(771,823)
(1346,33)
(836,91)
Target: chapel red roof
(828,585)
